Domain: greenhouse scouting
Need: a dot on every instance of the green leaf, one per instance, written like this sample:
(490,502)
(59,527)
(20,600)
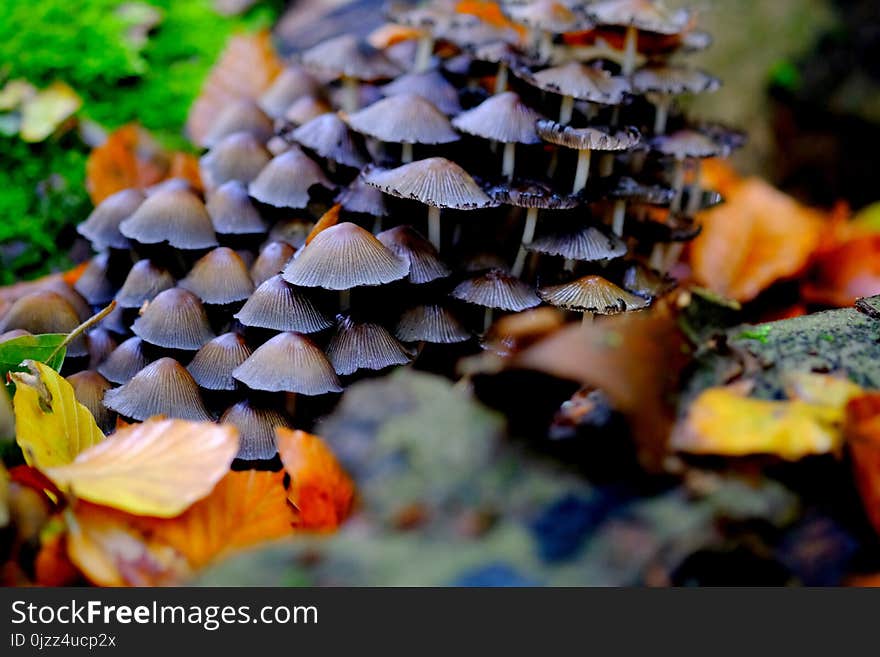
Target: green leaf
(41,348)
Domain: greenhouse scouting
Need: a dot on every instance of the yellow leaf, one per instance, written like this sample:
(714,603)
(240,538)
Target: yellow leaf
(48,109)
(158,468)
(52,427)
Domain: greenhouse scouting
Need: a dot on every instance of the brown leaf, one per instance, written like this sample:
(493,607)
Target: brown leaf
(862,430)
(129,158)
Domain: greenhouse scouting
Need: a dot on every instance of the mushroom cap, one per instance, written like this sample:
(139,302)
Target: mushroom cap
(688,143)
(593,139)
(587,244)
(579,81)
(45,311)
(256,429)
(232,211)
(628,189)
(647,15)
(329,136)
(279,306)
(289,362)
(346,55)
(498,52)
(364,346)
(429,15)
(273,256)
(144,281)
(361,198)
(547,16)
(101,227)
(93,284)
(219,277)
(240,156)
(469,31)
(592,294)
(101,345)
(74,298)
(286,180)
(425,264)
(174,319)
(503,118)
(175,216)
(124,362)
(497,289)
(533,194)
(241,116)
(89,388)
(306,108)
(163,387)
(432,323)
(342,257)
(293,83)
(212,365)
(404,119)
(645,282)
(436,181)
(430,85)
(673,80)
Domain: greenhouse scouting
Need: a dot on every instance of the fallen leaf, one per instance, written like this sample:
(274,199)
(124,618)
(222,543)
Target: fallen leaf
(129,158)
(186,166)
(43,113)
(319,488)
(41,348)
(328,219)
(53,567)
(863,439)
(157,468)
(52,427)
(843,273)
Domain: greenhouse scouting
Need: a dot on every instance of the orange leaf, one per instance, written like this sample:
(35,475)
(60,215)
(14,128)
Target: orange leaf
(844,273)
(862,430)
(129,158)
(186,166)
(52,566)
(319,488)
(328,219)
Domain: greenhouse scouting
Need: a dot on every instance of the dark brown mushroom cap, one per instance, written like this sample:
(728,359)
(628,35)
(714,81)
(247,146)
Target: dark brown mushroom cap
(289,362)
(286,180)
(361,198)
(329,136)
(144,281)
(673,80)
(594,139)
(404,119)
(436,181)
(425,264)
(548,16)
(256,429)
(430,85)
(533,194)
(342,257)
(592,294)
(588,244)
(177,217)
(175,319)
(219,277)
(305,109)
(280,306)
(124,362)
(432,323)
(291,84)
(240,156)
(503,118)
(232,212)
(647,15)
(628,189)
(45,311)
(348,56)
(273,256)
(161,388)
(241,116)
(101,227)
(645,282)
(213,364)
(89,388)
(580,82)
(93,284)
(497,289)
(688,143)
(364,346)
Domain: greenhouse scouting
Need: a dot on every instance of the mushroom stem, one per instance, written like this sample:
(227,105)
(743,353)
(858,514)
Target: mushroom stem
(630,50)
(588,318)
(527,237)
(677,185)
(344,300)
(606,165)
(501,78)
(351,94)
(569,264)
(554,163)
(488,314)
(406,153)
(672,255)
(377,225)
(566,110)
(619,217)
(509,161)
(582,173)
(656,260)
(434,226)
(545,46)
(695,190)
(661,115)
(423,53)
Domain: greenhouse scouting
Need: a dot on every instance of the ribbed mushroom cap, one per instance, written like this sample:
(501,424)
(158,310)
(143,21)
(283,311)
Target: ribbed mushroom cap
(348,56)
(219,277)
(364,346)
(588,244)
(89,388)
(177,217)
(116,321)
(432,323)
(593,139)
(291,84)
(93,283)
(503,118)
(329,136)
(431,86)
(673,80)
(232,212)
(124,362)
(272,259)
(280,306)
(240,156)
(547,16)
(533,194)
(404,119)
(240,116)
(628,189)
(286,180)
(592,294)
(289,362)
(256,429)
(342,257)
(101,227)
(169,184)
(213,364)
(101,345)
(144,281)
(361,198)
(647,15)
(497,289)
(579,81)
(425,264)
(175,319)
(305,109)
(688,143)
(436,181)
(161,388)
(45,312)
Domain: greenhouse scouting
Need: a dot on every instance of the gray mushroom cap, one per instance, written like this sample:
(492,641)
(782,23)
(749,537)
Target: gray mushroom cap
(435,181)
(503,118)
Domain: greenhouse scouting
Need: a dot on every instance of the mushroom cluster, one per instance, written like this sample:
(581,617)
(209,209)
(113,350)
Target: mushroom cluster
(387,199)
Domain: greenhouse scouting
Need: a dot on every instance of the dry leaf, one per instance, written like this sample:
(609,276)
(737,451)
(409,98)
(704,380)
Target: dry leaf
(328,219)
(844,272)
(43,113)
(186,166)
(129,158)
(52,566)
(863,438)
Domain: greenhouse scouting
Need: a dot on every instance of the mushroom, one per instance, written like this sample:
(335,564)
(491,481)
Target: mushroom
(329,137)
(430,85)
(575,81)
(286,180)
(289,362)
(144,281)
(232,212)
(661,83)
(361,198)
(175,216)
(161,388)
(592,295)
(496,290)
(586,244)
(546,18)
(101,227)
(256,429)
(273,256)
(219,278)
(425,264)
(213,364)
(364,346)
(241,116)
(89,388)
(626,190)
(502,54)
(93,284)
(240,156)
(645,282)
(305,109)
(427,20)
(175,319)
(292,83)
(686,146)
(101,345)
(124,362)
(45,311)
(280,306)
(432,323)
